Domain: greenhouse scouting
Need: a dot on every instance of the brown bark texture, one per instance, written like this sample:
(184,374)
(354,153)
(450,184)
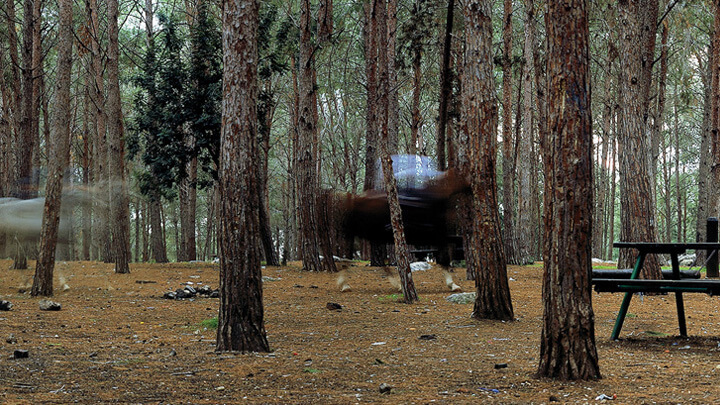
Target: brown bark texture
(637,22)
(119,205)
(59,156)
(402,254)
(308,186)
(567,343)
(508,150)
(445,88)
(525,156)
(241,324)
(714,199)
(480,114)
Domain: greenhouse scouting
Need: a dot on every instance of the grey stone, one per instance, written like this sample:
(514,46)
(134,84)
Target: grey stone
(47,305)
(462,298)
(5,305)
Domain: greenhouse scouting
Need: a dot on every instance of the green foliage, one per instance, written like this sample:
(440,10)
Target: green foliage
(205,92)
(209,324)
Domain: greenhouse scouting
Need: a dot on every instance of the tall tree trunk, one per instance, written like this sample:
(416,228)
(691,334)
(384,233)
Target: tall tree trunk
(637,19)
(241,325)
(714,198)
(604,169)
(265,230)
(119,195)
(613,190)
(188,205)
(102,242)
(307,140)
(27,141)
(508,155)
(445,86)
(480,116)
(567,344)
(703,178)
(87,174)
(678,168)
(402,254)
(393,97)
(59,155)
(666,181)
(525,232)
(23,182)
(157,244)
(377,250)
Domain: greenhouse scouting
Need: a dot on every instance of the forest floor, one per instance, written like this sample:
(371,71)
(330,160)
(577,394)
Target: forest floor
(116,340)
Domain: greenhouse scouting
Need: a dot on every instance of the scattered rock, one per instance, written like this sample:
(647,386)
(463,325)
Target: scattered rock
(268,278)
(181,293)
(500,365)
(145,282)
(5,305)
(188,291)
(427,337)
(553,398)
(461,298)
(21,354)
(333,306)
(204,290)
(47,305)
(11,339)
(385,389)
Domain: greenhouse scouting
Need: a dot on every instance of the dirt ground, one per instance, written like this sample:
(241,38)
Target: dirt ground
(116,340)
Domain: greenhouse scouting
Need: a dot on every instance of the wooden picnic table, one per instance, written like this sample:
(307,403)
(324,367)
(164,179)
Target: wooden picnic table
(675,284)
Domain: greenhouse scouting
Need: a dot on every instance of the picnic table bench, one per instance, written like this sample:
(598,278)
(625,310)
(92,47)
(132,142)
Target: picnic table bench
(672,282)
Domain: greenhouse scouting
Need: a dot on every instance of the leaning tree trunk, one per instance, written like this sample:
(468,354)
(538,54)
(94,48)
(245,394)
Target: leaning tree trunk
(567,343)
(480,115)
(59,156)
(402,254)
(241,325)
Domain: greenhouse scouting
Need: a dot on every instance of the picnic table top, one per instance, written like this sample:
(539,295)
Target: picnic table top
(674,247)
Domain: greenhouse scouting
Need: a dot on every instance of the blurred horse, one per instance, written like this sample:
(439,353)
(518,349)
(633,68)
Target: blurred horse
(21,220)
(427,213)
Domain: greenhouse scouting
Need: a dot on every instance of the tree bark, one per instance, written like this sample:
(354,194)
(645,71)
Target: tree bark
(241,325)
(508,155)
(445,87)
(480,115)
(637,213)
(705,158)
(101,236)
(567,344)
(59,155)
(119,205)
(307,142)
(525,158)
(402,254)
(714,199)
